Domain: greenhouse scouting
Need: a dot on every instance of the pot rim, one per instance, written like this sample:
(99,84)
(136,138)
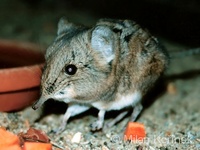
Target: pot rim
(26,76)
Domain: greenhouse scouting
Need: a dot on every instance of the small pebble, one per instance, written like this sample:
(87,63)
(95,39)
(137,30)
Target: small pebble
(171,89)
(104,147)
(77,137)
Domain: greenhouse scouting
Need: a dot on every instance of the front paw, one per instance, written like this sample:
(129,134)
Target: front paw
(60,129)
(96,126)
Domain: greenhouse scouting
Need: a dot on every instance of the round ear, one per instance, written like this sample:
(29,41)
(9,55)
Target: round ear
(64,25)
(103,41)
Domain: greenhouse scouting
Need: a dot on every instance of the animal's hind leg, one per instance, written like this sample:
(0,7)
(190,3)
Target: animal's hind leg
(136,111)
(117,119)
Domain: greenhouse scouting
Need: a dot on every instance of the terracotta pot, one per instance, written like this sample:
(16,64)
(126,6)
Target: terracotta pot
(20,72)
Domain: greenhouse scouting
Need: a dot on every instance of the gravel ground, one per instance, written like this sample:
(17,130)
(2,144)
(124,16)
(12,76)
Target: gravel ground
(171,116)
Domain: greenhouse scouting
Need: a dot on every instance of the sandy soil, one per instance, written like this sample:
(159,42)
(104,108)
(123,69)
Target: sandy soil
(171,116)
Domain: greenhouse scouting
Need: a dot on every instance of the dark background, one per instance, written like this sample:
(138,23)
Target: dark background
(176,20)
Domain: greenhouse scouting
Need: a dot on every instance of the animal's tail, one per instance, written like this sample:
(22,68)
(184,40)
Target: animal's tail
(185,53)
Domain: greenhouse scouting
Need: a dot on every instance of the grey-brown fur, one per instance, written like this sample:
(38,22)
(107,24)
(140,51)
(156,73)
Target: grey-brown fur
(114,58)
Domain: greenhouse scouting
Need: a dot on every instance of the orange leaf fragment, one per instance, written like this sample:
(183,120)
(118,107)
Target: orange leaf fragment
(134,131)
(10,147)
(8,139)
(37,146)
